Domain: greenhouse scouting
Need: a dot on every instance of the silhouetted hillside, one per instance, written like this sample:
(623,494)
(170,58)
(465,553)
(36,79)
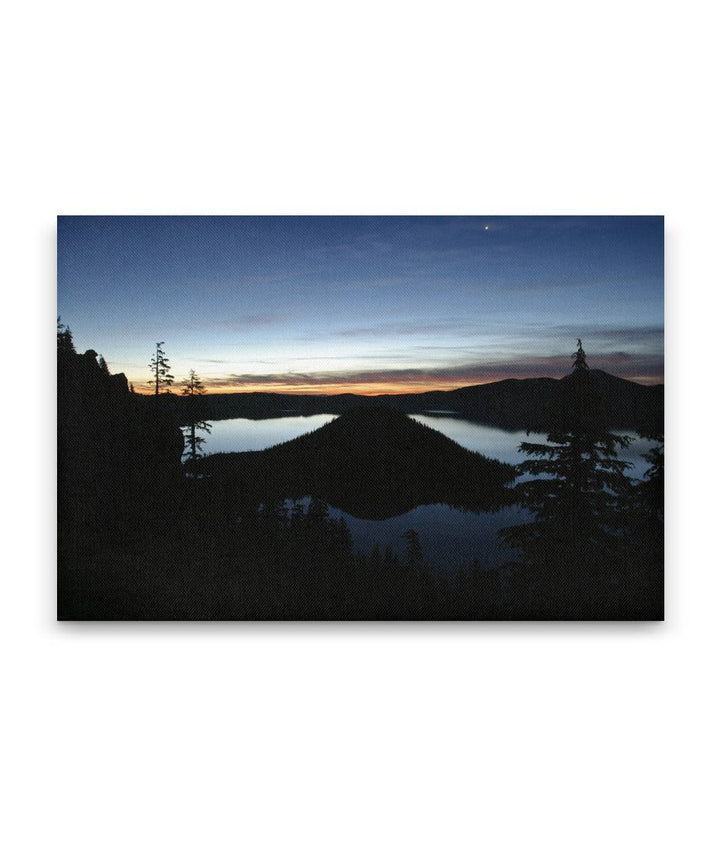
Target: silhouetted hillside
(372,462)
(533,403)
(545,403)
(118,466)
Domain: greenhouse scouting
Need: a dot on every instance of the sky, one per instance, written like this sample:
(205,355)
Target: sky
(364,304)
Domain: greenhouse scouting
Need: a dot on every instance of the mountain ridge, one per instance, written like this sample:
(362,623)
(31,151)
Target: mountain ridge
(530,403)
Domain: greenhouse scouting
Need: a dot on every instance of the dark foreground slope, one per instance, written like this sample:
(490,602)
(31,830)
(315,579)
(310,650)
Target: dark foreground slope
(119,471)
(373,463)
(533,403)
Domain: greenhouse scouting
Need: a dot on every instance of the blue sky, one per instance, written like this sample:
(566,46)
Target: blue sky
(368,304)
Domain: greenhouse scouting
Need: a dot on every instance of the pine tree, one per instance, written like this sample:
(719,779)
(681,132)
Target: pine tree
(194,389)
(647,532)
(65,343)
(576,496)
(575,500)
(579,362)
(413,549)
(103,365)
(160,368)
(652,489)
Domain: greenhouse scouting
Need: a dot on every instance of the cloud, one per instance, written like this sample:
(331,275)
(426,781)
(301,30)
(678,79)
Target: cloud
(459,326)
(603,331)
(647,367)
(202,360)
(255,320)
(205,360)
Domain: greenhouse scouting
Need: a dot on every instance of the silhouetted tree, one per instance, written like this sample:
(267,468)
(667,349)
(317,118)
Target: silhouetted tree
(647,529)
(194,389)
(652,489)
(65,343)
(413,549)
(160,368)
(318,512)
(579,361)
(576,497)
(103,365)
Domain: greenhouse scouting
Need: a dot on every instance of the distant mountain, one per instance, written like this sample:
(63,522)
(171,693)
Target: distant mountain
(546,403)
(533,403)
(372,462)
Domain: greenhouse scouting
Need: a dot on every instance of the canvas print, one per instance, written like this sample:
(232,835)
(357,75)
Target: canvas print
(360,418)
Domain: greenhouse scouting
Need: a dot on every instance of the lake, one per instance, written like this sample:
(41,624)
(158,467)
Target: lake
(497,443)
(450,538)
(253,435)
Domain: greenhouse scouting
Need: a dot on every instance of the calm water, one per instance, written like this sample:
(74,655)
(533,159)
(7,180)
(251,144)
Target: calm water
(253,435)
(449,538)
(503,445)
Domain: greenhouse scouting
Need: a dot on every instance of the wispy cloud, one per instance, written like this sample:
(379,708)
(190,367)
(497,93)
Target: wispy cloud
(391,329)
(255,320)
(227,362)
(459,326)
(648,368)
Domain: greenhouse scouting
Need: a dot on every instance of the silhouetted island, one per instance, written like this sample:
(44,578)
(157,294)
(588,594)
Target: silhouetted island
(372,463)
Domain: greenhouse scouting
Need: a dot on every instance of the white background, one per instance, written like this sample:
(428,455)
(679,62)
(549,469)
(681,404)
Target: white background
(358,739)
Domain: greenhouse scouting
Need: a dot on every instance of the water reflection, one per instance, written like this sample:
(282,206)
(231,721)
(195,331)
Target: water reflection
(498,443)
(450,538)
(253,435)
(489,440)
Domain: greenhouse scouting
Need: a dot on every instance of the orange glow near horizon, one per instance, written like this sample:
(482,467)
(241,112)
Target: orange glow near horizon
(332,388)
(369,389)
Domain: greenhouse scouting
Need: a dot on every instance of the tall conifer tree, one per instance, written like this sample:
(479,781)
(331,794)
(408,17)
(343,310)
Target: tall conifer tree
(575,495)
(194,389)
(159,365)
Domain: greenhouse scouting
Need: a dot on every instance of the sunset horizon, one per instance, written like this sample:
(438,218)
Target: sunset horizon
(215,387)
(365,305)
